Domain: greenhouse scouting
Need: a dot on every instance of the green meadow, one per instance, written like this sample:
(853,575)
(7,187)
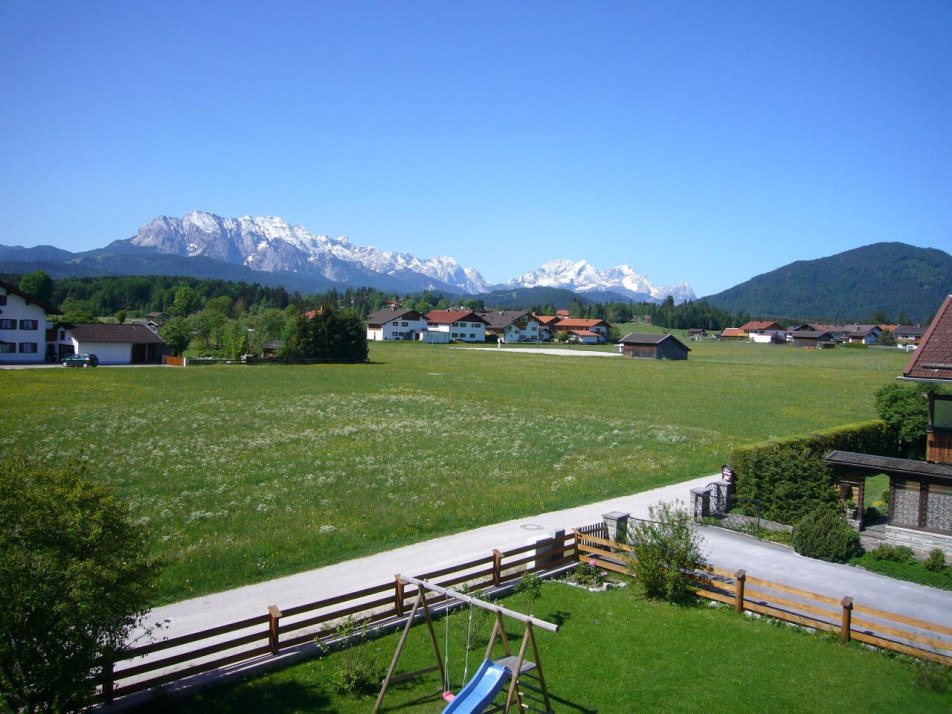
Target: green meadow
(246,473)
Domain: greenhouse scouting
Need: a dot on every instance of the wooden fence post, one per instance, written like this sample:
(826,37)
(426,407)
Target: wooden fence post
(398,597)
(108,683)
(274,618)
(847,619)
(741,576)
(497,568)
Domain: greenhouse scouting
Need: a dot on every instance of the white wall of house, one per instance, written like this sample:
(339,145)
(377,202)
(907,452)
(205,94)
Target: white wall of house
(463,331)
(761,338)
(397,330)
(107,352)
(22,329)
(530,333)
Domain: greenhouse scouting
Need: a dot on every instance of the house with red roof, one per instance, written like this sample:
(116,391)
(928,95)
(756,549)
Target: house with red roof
(454,325)
(588,331)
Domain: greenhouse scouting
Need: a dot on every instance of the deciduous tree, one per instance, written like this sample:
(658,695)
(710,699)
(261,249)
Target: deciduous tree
(77,577)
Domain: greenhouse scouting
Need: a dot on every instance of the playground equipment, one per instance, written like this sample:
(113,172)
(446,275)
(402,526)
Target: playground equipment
(493,675)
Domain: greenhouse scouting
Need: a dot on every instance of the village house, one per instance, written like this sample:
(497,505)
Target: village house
(586,331)
(23,327)
(813,339)
(395,323)
(546,326)
(765,331)
(450,325)
(920,492)
(909,334)
(512,326)
(653,346)
(735,334)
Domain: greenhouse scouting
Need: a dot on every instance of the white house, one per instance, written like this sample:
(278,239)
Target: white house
(22,326)
(117,344)
(462,325)
(588,331)
(512,326)
(395,323)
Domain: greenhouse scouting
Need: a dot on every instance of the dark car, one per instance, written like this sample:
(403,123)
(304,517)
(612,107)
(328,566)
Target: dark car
(81,360)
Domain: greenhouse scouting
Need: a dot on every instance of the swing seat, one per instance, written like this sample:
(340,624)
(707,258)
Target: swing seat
(449,696)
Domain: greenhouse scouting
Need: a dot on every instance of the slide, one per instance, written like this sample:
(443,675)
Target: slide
(480,691)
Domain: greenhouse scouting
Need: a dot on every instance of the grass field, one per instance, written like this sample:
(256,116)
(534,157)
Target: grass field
(617,653)
(246,473)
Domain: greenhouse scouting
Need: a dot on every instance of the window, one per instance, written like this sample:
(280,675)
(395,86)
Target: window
(28,347)
(472,336)
(8,324)
(29,324)
(403,324)
(7,348)
(3,300)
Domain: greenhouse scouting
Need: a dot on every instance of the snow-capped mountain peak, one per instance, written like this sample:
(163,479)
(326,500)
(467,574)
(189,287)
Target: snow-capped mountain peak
(581,276)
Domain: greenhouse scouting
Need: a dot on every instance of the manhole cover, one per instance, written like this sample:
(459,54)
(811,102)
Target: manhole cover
(531,527)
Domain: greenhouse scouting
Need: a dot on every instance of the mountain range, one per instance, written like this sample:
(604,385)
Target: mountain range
(268,250)
(893,279)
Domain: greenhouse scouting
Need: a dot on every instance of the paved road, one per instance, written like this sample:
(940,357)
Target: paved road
(723,549)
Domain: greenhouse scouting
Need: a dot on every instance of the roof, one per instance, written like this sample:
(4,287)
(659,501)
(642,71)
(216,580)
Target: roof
(391,313)
(446,317)
(912,330)
(575,323)
(888,464)
(734,332)
(503,318)
(649,338)
(933,359)
(546,319)
(14,290)
(761,325)
(584,333)
(810,334)
(135,334)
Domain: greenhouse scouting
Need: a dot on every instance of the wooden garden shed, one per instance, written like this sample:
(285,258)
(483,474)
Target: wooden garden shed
(640,345)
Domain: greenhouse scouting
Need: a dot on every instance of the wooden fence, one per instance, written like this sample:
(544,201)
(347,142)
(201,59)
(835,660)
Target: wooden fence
(277,630)
(852,620)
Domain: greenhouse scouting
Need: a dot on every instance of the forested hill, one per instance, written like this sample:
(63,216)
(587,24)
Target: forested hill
(901,282)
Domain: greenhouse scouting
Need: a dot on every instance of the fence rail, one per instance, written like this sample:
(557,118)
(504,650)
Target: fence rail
(276,631)
(887,630)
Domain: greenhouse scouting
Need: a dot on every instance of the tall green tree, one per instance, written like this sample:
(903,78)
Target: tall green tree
(177,335)
(187,300)
(906,410)
(38,285)
(77,577)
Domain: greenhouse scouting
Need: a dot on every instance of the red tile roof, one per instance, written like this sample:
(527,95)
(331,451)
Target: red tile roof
(761,325)
(933,359)
(574,323)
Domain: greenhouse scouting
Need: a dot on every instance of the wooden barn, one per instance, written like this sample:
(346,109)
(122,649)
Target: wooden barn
(640,345)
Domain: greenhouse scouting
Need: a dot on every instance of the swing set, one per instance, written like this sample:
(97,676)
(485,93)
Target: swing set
(479,693)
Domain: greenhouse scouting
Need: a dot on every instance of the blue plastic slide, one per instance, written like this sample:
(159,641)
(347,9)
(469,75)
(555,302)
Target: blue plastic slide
(480,691)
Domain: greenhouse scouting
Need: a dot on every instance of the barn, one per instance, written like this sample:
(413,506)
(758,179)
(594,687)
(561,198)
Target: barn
(640,345)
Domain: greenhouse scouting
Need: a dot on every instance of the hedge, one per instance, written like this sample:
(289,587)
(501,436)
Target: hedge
(788,476)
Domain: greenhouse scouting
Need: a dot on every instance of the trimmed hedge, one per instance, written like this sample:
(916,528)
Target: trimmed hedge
(788,476)
(824,533)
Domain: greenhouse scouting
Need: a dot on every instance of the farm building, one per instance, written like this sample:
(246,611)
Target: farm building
(115,344)
(512,326)
(814,339)
(462,325)
(652,346)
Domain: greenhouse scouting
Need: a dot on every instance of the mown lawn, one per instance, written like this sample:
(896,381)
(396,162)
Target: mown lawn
(246,473)
(617,653)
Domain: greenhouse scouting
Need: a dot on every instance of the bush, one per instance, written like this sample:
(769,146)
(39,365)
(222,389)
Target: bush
(667,550)
(936,560)
(893,553)
(825,534)
(77,577)
(789,477)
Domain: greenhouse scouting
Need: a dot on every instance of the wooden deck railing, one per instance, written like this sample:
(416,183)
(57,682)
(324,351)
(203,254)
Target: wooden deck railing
(853,621)
(277,630)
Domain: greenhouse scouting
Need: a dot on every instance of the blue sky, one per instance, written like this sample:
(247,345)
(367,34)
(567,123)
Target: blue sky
(698,141)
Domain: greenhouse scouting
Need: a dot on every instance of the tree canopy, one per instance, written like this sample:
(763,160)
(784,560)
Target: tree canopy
(77,578)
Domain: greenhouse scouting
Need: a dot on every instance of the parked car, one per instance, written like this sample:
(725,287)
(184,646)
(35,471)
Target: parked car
(85,359)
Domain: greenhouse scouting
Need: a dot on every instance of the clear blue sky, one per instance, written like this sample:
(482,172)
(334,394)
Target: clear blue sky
(698,141)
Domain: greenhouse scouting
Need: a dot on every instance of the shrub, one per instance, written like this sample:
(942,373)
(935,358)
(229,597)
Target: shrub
(530,587)
(667,550)
(77,577)
(356,671)
(936,560)
(825,534)
(893,553)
